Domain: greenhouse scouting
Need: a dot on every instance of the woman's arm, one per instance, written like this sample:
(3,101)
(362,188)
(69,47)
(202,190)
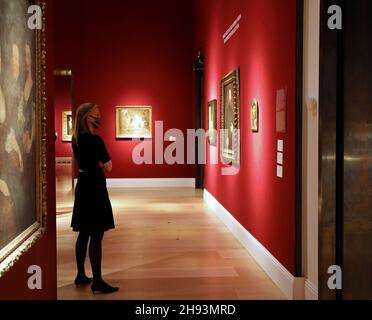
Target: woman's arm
(106,166)
(102,155)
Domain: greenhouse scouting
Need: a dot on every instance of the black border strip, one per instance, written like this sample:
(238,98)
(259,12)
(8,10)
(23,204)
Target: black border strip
(298,168)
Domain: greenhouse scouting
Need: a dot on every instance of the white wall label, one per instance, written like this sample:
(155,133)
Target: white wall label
(280,158)
(279,171)
(280,145)
(231,31)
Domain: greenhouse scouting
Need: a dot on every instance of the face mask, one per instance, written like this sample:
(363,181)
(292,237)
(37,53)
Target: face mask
(97,122)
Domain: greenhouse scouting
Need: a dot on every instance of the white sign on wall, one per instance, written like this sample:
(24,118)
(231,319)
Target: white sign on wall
(232,30)
(280,159)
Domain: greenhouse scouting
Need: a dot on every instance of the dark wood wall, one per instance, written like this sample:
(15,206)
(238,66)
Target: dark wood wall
(345,222)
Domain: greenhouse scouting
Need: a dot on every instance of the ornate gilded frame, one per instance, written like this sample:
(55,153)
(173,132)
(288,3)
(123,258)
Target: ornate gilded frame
(11,253)
(231,156)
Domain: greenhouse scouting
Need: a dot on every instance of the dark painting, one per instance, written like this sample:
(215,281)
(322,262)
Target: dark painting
(19,126)
(230,117)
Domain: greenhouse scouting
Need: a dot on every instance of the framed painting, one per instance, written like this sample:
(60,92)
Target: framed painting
(230,118)
(254,116)
(134,122)
(212,122)
(67,126)
(23,200)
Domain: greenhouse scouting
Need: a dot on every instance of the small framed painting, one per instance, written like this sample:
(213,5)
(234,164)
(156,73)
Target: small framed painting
(134,122)
(230,117)
(254,116)
(212,128)
(67,126)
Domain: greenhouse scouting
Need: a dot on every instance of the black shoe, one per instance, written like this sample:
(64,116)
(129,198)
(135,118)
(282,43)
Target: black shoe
(103,287)
(82,281)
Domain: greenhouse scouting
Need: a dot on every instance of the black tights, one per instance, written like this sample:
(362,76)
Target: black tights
(95,253)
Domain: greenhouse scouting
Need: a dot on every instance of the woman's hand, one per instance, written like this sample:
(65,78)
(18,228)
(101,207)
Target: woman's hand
(106,166)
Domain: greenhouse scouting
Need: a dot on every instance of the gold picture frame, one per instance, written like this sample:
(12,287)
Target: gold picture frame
(134,122)
(255,116)
(27,135)
(212,122)
(67,126)
(230,118)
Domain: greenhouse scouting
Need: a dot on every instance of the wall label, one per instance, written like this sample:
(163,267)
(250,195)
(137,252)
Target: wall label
(280,159)
(232,30)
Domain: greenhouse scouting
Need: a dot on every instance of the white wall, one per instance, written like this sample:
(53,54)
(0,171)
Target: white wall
(310,146)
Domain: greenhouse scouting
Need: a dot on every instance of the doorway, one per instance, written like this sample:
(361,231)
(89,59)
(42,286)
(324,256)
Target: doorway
(64,115)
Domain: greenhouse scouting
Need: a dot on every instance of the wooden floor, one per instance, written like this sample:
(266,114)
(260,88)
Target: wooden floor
(166,245)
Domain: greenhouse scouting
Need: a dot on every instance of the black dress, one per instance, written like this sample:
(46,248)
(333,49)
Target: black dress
(92,207)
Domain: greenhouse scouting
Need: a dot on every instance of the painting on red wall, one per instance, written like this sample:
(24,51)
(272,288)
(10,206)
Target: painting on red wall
(230,118)
(254,116)
(212,122)
(67,127)
(22,132)
(134,122)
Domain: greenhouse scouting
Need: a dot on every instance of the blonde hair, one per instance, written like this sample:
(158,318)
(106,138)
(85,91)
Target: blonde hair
(81,125)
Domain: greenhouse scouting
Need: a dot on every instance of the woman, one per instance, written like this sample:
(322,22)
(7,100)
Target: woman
(92,214)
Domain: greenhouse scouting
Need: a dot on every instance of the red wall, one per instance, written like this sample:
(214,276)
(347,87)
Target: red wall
(264,48)
(62,102)
(13,285)
(130,53)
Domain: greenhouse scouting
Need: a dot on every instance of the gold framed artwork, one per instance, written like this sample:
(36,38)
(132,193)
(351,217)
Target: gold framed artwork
(254,116)
(212,122)
(134,122)
(23,202)
(67,126)
(230,117)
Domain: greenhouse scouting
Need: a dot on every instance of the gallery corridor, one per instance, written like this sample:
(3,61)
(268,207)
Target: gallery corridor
(167,245)
(232,140)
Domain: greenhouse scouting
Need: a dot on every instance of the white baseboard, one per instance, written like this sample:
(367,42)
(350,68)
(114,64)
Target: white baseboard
(151,183)
(311,291)
(292,287)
